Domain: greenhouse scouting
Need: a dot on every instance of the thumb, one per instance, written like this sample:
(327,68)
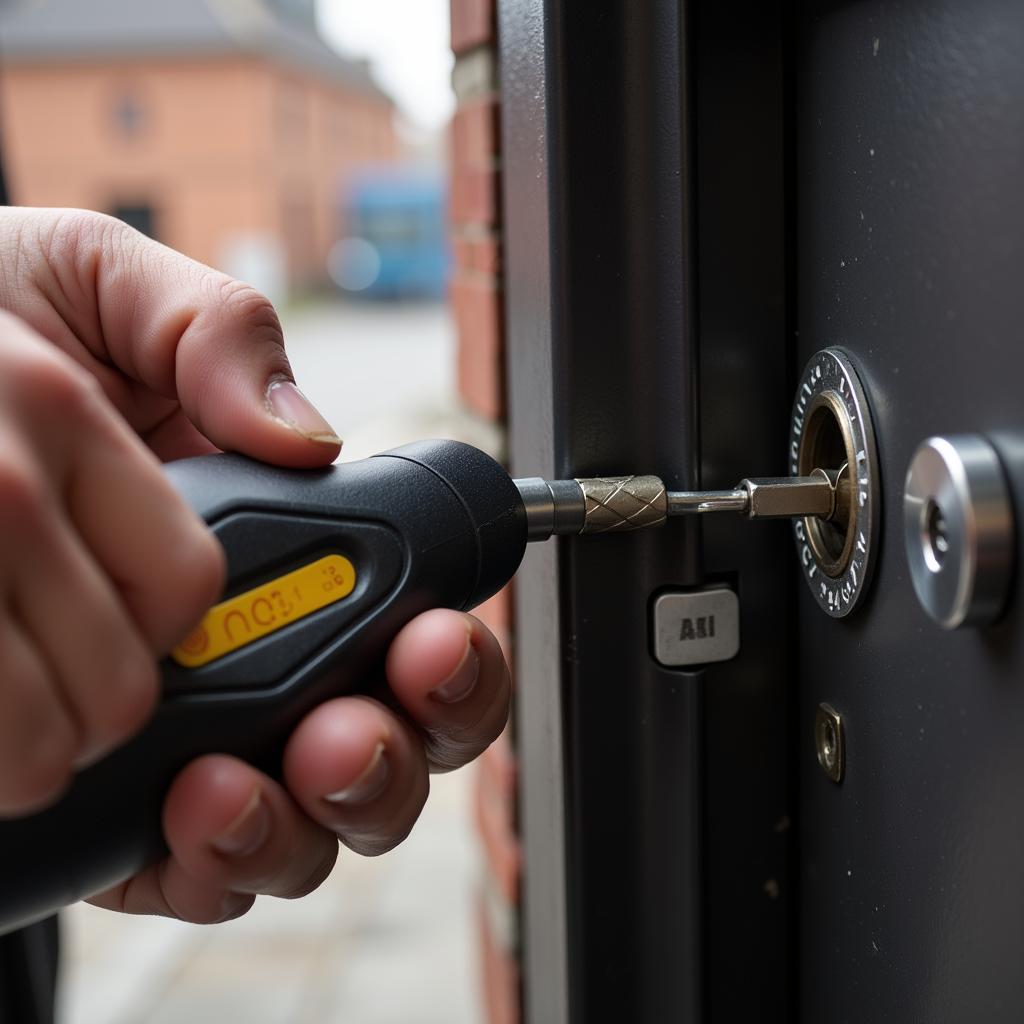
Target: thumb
(191,333)
(234,382)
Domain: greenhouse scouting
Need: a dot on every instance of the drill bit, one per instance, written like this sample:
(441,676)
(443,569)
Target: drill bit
(617,504)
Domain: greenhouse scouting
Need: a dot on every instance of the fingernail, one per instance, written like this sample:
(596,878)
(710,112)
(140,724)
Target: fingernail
(247,832)
(460,684)
(369,785)
(289,405)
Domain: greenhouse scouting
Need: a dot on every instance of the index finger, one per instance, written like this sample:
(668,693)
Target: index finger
(178,327)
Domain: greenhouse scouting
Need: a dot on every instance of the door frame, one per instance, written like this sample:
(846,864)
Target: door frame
(655,803)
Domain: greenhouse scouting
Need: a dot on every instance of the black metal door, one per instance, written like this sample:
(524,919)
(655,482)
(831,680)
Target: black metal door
(909,175)
(699,196)
(645,142)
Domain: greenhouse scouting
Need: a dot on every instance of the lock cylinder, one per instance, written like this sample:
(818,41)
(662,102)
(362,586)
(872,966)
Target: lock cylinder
(959,530)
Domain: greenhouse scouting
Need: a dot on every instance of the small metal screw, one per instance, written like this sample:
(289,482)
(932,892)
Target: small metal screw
(828,739)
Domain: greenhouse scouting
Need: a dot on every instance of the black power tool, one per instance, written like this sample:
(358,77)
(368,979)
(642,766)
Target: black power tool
(324,568)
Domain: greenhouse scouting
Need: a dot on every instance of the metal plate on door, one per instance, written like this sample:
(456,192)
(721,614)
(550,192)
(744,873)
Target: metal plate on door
(696,627)
(832,430)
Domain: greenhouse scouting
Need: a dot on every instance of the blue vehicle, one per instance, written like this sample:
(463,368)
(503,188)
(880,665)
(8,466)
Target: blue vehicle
(396,242)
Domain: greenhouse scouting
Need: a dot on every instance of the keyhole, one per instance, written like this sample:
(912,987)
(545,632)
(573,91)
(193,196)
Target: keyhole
(936,536)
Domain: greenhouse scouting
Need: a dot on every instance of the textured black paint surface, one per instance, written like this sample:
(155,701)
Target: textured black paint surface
(625,382)
(746,389)
(677,784)
(910,122)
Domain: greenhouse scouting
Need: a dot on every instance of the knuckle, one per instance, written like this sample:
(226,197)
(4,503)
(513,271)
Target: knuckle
(198,572)
(207,568)
(49,770)
(316,877)
(70,231)
(140,693)
(447,753)
(79,239)
(454,744)
(244,306)
(372,846)
(82,238)
(45,765)
(373,838)
(75,394)
(376,844)
(121,701)
(245,302)
(48,380)
(23,493)
(239,905)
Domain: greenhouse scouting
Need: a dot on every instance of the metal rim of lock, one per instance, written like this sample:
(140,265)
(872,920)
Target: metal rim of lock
(832,430)
(958,530)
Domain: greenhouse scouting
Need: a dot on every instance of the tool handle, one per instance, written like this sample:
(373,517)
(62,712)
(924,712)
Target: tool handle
(324,567)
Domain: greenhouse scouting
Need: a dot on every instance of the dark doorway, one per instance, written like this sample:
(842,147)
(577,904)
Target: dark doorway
(140,216)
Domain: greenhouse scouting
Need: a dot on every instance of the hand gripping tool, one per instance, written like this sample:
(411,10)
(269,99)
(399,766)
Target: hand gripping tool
(324,567)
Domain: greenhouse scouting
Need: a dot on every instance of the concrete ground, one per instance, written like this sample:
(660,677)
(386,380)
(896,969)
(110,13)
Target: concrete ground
(381,374)
(384,941)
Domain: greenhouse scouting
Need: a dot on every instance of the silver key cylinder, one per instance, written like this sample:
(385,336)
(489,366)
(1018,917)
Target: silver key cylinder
(958,530)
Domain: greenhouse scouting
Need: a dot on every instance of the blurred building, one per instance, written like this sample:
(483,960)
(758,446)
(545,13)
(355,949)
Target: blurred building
(225,128)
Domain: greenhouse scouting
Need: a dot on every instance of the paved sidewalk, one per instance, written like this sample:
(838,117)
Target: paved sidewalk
(382,375)
(388,940)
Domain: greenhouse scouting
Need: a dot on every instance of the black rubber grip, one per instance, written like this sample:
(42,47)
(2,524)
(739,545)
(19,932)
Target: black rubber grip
(432,524)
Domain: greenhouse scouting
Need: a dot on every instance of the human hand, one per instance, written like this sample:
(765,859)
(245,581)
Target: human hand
(191,361)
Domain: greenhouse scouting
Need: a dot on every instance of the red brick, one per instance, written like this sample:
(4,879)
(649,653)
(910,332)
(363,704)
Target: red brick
(496,614)
(476,299)
(500,973)
(495,819)
(464,252)
(498,774)
(504,857)
(476,133)
(474,141)
(477,307)
(487,256)
(474,198)
(495,806)
(473,23)
(480,255)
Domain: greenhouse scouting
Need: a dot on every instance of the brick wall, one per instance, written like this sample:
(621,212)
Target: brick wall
(475,209)
(476,295)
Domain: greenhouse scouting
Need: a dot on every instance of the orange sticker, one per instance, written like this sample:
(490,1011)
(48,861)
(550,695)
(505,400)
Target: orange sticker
(265,609)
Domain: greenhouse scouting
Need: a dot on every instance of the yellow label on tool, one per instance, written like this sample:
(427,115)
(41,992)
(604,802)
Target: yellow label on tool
(265,609)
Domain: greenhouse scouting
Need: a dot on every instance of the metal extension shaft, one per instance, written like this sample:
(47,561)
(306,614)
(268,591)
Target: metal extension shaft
(781,497)
(621,503)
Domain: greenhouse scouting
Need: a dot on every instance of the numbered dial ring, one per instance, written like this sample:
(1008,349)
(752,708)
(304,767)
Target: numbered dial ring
(831,430)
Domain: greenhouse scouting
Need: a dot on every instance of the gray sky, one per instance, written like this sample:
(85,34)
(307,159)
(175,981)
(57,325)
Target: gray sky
(407,43)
